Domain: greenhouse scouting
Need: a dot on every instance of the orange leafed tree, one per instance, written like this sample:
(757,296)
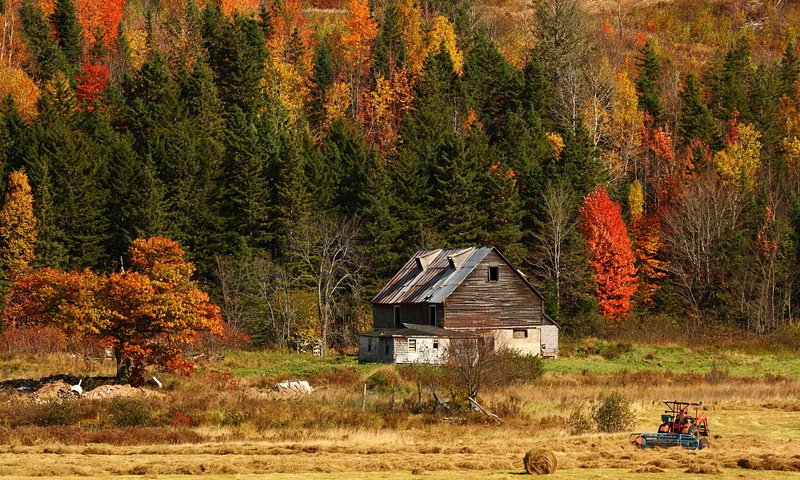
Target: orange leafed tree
(358,40)
(100,20)
(610,253)
(145,313)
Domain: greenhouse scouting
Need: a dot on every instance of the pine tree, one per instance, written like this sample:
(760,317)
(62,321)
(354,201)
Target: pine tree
(647,84)
(491,83)
(390,50)
(322,77)
(247,191)
(349,159)
(695,121)
(42,48)
(504,210)
(458,218)
(789,69)
(731,85)
(68,32)
(18,226)
(538,92)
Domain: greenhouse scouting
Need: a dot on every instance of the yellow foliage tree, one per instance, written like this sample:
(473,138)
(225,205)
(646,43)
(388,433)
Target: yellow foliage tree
(337,101)
(358,40)
(443,34)
(623,128)
(17,227)
(636,200)
(15,82)
(409,18)
(738,162)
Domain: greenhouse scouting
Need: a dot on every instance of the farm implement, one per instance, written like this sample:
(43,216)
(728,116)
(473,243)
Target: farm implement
(678,429)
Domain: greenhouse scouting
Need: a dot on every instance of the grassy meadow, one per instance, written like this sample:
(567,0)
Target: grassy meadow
(226,422)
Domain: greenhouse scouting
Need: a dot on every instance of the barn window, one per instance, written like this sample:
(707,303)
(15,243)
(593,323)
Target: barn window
(412,344)
(432,314)
(397,315)
(494,274)
(369,344)
(387,349)
(436,344)
(520,334)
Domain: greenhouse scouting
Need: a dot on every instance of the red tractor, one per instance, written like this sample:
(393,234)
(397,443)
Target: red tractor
(678,428)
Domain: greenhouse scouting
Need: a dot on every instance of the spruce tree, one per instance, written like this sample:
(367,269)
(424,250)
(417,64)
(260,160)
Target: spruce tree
(537,91)
(789,69)
(731,85)
(322,77)
(695,121)
(247,205)
(647,83)
(390,51)
(68,32)
(46,58)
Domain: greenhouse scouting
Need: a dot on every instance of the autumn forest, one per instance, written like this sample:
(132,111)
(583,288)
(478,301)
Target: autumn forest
(638,163)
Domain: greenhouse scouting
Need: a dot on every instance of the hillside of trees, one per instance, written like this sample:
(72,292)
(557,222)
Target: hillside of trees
(636,162)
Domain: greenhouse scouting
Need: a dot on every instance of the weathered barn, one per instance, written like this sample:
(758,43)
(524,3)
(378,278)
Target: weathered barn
(446,293)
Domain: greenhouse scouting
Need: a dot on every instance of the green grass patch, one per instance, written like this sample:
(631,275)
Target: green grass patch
(280,364)
(603,357)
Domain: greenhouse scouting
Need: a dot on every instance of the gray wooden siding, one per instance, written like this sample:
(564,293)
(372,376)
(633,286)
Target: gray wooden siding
(479,303)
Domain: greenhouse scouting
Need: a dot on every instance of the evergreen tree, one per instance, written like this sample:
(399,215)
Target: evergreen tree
(579,164)
(322,77)
(492,84)
(390,51)
(458,218)
(789,69)
(695,121)
(350,161)
(504,210)
(68,32)
(46,58)
(247,207)
(764,106)
(537,91)
(732,85)
(647,83)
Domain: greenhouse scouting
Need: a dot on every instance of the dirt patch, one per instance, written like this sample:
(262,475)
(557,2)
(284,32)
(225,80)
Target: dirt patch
(52,391)
(120,391)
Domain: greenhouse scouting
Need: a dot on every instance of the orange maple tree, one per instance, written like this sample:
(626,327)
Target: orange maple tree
(100,20)
(610,253)
(358,40)
(146,313)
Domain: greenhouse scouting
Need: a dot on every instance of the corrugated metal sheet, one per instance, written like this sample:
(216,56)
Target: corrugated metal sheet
(430,276)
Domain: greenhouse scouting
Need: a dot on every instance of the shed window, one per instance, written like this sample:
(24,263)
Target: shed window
(387,349)
(432,314)
(494,274)
(520,334)
(369,344)
(436,344)
(396,315)
(412,344)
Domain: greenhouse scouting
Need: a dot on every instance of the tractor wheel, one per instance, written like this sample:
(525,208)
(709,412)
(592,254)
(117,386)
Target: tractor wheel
(704,443)
(693,431)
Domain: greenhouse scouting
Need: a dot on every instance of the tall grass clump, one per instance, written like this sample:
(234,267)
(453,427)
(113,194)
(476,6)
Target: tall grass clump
(612,412)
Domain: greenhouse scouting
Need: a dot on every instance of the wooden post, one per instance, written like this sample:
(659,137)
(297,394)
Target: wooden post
(364,399)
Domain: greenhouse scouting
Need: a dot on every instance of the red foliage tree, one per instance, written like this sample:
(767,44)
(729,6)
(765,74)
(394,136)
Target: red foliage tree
(92,82)
(100,20)
(146,313)
(610,253)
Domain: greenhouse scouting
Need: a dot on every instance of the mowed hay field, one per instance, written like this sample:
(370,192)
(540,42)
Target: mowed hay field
(752,400)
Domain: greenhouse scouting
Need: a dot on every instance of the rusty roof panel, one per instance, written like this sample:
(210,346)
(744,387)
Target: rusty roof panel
(430,276)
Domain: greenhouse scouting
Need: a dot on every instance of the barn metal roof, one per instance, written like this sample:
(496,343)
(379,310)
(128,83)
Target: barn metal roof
(414,330)
(430,276)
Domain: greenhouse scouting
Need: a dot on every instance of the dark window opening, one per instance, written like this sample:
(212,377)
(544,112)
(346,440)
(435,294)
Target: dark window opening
(520,334)
(436,344)
(387,349)
(432,315)
(412,344)
(494,274)
(397,315)
(369,345)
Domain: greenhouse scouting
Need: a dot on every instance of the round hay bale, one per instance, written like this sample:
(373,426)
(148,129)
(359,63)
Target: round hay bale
(540,462)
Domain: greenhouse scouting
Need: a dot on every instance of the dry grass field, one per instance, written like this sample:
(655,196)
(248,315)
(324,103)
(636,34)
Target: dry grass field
(231,425)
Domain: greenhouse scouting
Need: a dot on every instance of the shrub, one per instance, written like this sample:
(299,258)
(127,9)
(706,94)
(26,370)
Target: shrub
(612,412)
(125,412)
(385,380)
(579,421)
(63,412)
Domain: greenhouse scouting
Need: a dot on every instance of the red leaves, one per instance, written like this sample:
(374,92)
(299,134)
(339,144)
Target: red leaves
(100,20)
(610,253)
(92,82)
